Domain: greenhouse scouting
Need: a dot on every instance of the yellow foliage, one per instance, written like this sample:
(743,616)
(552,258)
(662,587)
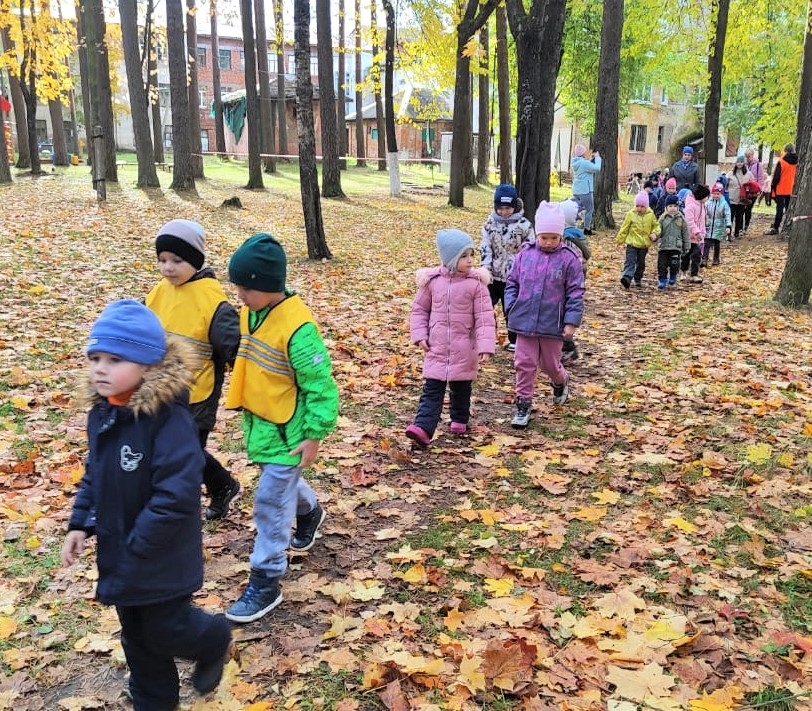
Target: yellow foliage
(759,453)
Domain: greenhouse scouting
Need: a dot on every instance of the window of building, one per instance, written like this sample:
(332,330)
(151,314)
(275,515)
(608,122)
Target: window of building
(163,94)
(203,98)
(42,130)
(204,140)
(225,59)
(314,66)
(642,94)
(660,138)
(160,51)
(242,59)
(272,64)
(664,98)
(168,136)
(637,140)
(291,62)
(225,90)
(202,56)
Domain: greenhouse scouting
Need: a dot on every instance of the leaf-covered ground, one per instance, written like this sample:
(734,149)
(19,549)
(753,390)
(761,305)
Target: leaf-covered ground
(648,545)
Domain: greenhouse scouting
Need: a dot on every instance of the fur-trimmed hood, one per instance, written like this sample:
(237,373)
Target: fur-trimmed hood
(164,383)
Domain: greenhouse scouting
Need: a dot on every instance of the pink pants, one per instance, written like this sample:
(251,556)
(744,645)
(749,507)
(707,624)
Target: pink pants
(537,353)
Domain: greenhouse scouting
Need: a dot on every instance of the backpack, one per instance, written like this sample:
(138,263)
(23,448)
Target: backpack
(749,192)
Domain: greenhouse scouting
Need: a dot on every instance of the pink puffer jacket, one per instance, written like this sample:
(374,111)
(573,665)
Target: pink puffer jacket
(455,315)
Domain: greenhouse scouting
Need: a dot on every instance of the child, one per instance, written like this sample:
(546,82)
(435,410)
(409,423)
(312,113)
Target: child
(282,381)
(575,238)
(545,302)
(638,231)
(739,177)
(717,224)
(190,303)
(695,216)
(140,496)
(503,235)
(674,242)
(453,323)
(670,189)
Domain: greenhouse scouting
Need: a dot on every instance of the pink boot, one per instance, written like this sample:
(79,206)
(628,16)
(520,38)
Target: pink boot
(419,436)
(458,428)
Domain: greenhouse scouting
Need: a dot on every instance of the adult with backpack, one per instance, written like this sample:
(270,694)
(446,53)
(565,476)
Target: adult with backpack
(782,184)
(739,198)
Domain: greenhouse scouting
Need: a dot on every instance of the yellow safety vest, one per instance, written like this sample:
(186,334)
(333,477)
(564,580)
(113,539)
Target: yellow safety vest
(187,311)
(263,381)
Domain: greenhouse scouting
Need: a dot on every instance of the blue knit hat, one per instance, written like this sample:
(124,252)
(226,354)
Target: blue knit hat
(129,330)
(687,149)
(671,200)
(451,244)
(505,196)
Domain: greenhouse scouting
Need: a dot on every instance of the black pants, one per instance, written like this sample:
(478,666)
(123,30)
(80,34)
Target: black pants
(215,475)
(781,204)
(153,635)
(431,403)
(692,258)
(738,218)
(711,244)
(748,215)
(497,292)
(668,264)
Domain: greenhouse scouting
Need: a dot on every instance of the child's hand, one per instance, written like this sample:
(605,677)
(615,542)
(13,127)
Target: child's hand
(423,345)
(484,358)
(309,449)
(569,330)
(73,547)
(653,236)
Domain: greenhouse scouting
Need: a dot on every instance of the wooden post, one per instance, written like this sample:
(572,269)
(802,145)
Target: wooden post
(98,164)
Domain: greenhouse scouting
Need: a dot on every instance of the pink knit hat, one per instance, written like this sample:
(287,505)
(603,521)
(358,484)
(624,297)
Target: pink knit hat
(549,218)
(671,183)
(641,199)
(580,149)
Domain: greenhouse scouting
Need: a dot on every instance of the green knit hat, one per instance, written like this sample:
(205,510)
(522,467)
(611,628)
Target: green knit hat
(259,263)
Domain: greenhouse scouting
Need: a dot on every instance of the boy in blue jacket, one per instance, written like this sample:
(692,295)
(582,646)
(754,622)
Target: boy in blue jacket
(140,496)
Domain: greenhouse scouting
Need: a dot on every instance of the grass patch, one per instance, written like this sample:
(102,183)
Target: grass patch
(770,699)
(797,608)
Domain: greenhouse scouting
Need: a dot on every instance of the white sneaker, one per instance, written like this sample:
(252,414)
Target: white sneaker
(511,347)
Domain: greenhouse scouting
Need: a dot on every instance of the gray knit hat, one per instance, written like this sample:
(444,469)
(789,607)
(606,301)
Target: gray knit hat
(451,244)
(184,238)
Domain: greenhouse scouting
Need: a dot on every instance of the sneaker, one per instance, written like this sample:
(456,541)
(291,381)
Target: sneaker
(771,231)
(588,232)
(638,284)
(260,596)
(683,276)
(661,284)
(625,281)
(703,263)
(206,676)
(695,280)
(561,392)
(569,352)
(521,417)
(306,526)
(459,428)
(419,436)
(511,347)
(221,501)
(672,282)
(716,262)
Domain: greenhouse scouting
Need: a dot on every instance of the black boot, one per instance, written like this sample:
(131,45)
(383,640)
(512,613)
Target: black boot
(306,526)
(221,500)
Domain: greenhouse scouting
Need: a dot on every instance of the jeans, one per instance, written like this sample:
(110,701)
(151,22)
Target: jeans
(588,201)
(693,257)
(781,204)
(537,353)
(668,264)
(635,263)
(711,244)
(282,493)
(497,291)
(431,403)
(153,635)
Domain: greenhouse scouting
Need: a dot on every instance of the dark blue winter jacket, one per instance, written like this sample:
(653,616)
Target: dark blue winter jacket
(140,493)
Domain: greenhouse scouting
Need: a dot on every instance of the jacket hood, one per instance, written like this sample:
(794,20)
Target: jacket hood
(791,158)
(517,215)
(164,383)
(426,274)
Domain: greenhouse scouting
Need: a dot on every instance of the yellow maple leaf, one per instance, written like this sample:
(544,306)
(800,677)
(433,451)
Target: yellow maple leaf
(21,402)
(720,700)
(499,587)
(786,460)
(807,430)
(606,496)
(489,450)
(454,619)
(8,627)
(470,674)
(415,575)
(590,513)
(405,554)
(759,453)
(339,626)
(666,630)
(367,590)
(488,517)
(680,523)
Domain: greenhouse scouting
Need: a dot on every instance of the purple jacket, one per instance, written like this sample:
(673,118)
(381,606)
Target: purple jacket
(545,291)
(454,314)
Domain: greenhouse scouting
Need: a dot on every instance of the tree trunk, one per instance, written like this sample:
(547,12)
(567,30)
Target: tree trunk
(484,144)
(538,36)
(462,162)
(376,84)
(18,104)
(266,113)
(151,53)
(606,112)
(84,75)
(330,171)
(716,50)
(503,91)
(60,152)
(360,133)
(139,108)
(74,127)
(251,99)
(195,141)
(101,93)
(28,84)
(282,110)
(308,174)
(5,168)
(219,121)
(341,99)
(183,177)
(388,90)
